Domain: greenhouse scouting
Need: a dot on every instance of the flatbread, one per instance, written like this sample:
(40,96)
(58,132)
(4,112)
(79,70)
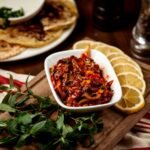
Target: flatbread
(15,50)
(29,35)
(5,46)
(46,27)
(58,14)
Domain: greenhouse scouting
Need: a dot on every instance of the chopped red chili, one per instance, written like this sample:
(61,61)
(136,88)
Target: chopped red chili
(80,82)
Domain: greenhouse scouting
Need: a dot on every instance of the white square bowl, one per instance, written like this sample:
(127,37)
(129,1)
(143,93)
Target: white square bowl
(99,59)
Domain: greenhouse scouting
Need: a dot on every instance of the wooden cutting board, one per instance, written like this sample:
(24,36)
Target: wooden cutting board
(116,124)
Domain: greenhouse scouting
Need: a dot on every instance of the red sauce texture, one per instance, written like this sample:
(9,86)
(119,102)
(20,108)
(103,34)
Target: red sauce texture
(80,82)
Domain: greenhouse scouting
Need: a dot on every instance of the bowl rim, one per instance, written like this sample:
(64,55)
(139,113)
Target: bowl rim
(58,100)
(31,13)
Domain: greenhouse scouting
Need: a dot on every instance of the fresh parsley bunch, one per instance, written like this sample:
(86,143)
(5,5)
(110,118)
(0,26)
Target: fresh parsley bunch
(37,120)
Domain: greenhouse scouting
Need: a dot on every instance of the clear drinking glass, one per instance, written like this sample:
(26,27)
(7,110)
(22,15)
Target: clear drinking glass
(140,41)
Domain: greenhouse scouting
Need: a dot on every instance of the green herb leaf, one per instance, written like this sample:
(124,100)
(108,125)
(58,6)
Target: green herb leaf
(17,13)
(7,140)
(11,81)
(22,140)
(28,89)
(22,101)
(12,99)
(24,118)
(60,122)
(3,124)
(45,104)
(38,127)
(40,99)
(66,129)
(7,108)
(13,127)
(6,98)
(4,88)
(51,128)
(50,145)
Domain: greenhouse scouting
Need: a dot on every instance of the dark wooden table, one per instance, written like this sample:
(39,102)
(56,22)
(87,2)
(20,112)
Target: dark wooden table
(85,28)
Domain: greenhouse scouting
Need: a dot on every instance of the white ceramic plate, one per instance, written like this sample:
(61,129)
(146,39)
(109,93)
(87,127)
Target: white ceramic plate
(30,52)
(105,65)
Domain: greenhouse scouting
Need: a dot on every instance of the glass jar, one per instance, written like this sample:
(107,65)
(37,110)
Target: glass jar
(140,41)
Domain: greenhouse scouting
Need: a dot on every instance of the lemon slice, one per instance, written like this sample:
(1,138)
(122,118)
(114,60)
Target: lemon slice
(128,72)
(132,79)
(132,100)
(114,55)
(122,59)
(127,67)
(104,48)
(107,50)
(84,43)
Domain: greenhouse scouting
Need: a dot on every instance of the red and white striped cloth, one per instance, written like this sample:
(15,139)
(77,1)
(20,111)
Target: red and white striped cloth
(19,80)
(137,139)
